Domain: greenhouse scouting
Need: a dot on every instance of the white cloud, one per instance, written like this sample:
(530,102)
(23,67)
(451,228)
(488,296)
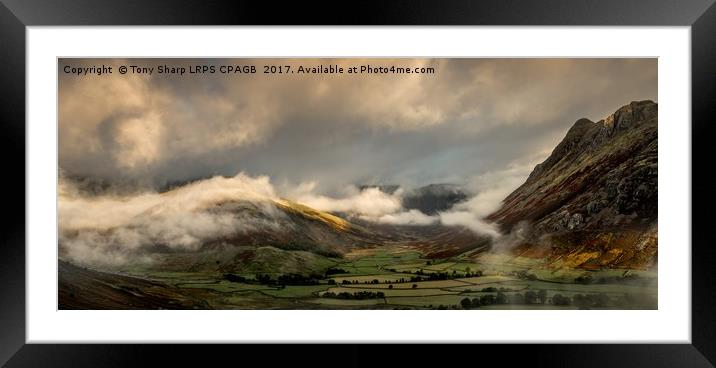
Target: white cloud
(109,229)
(492,188)
(368,203)
(411,217)
(163,127)
(470,221)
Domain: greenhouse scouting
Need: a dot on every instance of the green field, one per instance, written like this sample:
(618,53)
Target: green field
(493,281)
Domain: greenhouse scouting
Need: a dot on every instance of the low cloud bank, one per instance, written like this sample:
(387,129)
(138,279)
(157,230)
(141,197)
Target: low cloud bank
(112,230)
(370,204)
(491,189)
(470,221)
(410,217)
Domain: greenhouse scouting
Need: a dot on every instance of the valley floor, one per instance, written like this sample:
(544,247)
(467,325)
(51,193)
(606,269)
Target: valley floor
(386,278)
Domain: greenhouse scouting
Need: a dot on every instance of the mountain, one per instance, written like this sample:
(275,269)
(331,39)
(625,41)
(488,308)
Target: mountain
(595,194)
(433,198)
(293,233)
(303,239)
(293,226)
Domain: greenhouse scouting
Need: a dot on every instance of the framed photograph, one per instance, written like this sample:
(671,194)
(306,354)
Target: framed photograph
(456,173)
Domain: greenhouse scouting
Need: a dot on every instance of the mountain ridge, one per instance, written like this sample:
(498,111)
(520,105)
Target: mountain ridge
(600,179)
(593,159)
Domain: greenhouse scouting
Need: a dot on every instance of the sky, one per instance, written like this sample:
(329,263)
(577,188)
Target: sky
(470,119)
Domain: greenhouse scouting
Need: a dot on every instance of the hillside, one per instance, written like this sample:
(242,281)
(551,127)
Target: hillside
(593,201)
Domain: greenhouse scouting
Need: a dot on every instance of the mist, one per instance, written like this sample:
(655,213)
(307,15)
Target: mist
(115,229)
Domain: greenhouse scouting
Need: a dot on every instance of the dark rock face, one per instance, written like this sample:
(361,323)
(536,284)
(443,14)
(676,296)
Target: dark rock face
(602,178)
(434,198)
(429,199)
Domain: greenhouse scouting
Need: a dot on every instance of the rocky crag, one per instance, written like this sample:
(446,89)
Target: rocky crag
(593,202)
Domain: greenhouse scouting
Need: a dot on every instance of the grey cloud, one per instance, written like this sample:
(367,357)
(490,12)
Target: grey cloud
(472,117)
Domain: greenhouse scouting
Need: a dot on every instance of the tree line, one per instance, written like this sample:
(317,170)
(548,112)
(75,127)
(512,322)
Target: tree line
(281,280)
(581,301)
(358,295)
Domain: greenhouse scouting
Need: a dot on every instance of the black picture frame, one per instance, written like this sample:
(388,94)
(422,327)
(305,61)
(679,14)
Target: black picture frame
(16,15)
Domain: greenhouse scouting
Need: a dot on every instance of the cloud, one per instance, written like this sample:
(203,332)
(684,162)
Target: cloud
(469,117)
(470,221)
(491,188)
(110,230)
(370,202)
(518,235)
(411,217)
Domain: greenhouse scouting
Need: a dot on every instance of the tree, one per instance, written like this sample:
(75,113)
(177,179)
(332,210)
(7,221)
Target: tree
(584,279)
(558,299)
(390,286)
(466,303)
(542,296)
(487,299)
(582,301)
(415,286)
(601,300)
(531,297)
(501,298)
(234,278)
(517,298)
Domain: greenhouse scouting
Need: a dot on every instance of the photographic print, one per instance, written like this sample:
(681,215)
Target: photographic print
(357,183)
